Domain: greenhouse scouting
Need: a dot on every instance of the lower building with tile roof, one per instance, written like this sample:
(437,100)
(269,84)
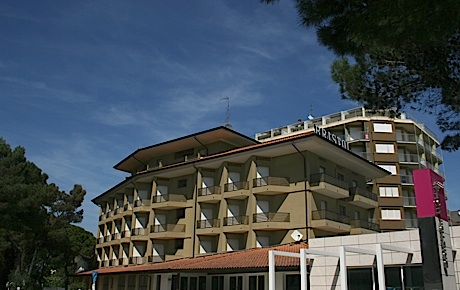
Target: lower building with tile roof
(219,191)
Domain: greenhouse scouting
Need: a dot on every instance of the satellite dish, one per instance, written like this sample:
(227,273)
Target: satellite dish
(310,117)
(296,236)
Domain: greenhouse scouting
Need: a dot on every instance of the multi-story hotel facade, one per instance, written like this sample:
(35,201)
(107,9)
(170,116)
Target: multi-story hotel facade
(217,191)
(400,145)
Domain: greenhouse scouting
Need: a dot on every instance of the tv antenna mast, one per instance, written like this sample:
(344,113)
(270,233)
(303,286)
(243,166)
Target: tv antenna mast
(227,113)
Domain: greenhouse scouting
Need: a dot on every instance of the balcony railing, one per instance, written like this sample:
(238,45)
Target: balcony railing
(407,179)
(136,260)
(365,155)
(409,201)
(316,179)
(413,158)
(169,197)
(356,136)
(139,232)
(236,186)
(406,138)
(209,190)
(113,262)
(270,180)
(167,228)
(155,259)
(236,220)
(119,210)
(142,202)
(116,236)
(208,223)
(100,240)
(127,207)
(271,217)
(107,238)
(126,234)
(411,223)
(365,225)
(362,192)
(330,215)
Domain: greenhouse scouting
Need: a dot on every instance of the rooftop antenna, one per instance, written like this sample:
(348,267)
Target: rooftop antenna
(227,114)
(310,116)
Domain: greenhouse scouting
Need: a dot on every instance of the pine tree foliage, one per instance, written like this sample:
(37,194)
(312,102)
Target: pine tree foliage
(36,222)
(394,54)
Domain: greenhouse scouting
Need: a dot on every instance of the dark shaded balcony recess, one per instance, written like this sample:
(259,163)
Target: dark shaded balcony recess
(365,225)
(240,185)
(363,198)
(329,186)
(167,228)
(270,180)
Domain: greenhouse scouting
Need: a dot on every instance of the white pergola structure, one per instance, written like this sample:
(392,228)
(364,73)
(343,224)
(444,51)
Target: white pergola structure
(341,255)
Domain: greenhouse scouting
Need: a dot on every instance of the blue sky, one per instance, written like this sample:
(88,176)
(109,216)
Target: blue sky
(85,83)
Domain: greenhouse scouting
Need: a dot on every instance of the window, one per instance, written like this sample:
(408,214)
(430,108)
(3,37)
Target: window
(384,148)
(182,183)
(217,282)
(383,128)
(257,282)
(391,214)
(342,210)
(322,169)
(387,167)
(389,191)
(340,176)
(236,283)
(323,205)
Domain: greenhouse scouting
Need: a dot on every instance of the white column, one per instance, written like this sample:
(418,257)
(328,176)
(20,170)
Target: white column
(380,267)
(303,270)
(271,270)
(343,268)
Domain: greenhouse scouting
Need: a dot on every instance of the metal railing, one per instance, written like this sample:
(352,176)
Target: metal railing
(236,220)
(412,138)
(208,190)
(142,202)
(270,180)
(409,201)
(362,192)
(271,217)
(407,179)
(365,225)
(236,186)
(330,215)
(357,136)
(136,260)
(167,228)
(414,158)
(139,232)
(169,197)
(208,223)
(411,223)
(316,179)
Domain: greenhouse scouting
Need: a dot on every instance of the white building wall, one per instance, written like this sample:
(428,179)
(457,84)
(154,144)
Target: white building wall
(325,270)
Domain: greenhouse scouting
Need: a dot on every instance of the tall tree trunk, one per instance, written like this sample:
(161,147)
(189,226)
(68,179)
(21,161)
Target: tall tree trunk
(31,266)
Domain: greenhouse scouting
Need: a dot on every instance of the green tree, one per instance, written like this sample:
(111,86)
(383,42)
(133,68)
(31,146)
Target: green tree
(35,215)
(394,54)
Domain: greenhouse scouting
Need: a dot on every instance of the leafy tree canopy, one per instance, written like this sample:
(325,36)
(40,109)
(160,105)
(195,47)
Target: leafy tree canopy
(394,54)
(36,233)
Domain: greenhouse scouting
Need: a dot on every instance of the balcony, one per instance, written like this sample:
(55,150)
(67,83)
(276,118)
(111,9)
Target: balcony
(406,138)
(119,210)
(357,136)
(236,190)
(363,198)
(127,209)
(107,238)
(236,224)
(411,223)
(409,201)
(407,180)
(329,186)
(410,159)
(365,155)
(330,221)
(116,236)
(142,205)
(270,185)
(123,262)
(156,259)
(169,201)
(271,220)
(113,262)
(126,234)
(208,227)
(139,233)
(167,231)
(136,260)
(209,194)
(363,227)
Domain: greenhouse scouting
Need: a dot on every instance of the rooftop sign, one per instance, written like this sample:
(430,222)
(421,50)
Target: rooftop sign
(332,137)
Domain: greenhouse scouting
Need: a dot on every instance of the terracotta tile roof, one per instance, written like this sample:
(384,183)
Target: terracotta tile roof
(256,258)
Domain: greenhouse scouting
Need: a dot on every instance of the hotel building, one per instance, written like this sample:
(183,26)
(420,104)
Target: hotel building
(399,145)
(217,191)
